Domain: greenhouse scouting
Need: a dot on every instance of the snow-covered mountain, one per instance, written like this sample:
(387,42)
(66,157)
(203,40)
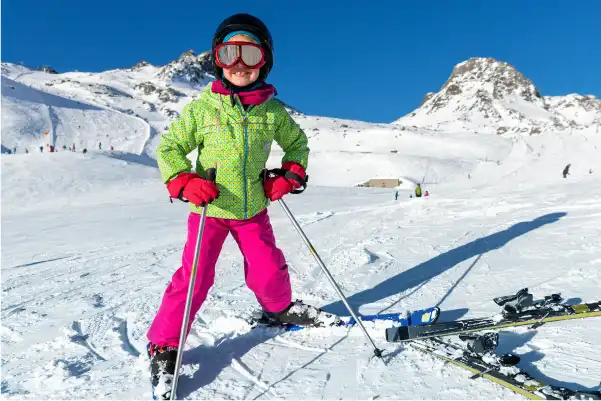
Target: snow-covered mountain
(486,95)
(580,110)
(32,117)
(129,108)
(148,97)
(90,241)
(188,69)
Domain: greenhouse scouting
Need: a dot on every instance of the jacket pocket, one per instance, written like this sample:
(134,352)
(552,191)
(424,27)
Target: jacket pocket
(260,139)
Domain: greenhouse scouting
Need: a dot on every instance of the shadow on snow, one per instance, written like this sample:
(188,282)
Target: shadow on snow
(427,270)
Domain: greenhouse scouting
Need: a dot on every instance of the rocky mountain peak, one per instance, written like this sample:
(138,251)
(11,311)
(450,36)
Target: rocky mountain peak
(190,68)
(487,95)
(499,78)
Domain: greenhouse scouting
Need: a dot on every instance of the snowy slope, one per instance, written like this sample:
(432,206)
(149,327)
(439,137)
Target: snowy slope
(148,97)
(86,256)
(32,118)
(129,108)
(346,153)
(583,110)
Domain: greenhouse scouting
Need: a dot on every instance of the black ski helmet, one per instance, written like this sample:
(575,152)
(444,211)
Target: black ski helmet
(244,22)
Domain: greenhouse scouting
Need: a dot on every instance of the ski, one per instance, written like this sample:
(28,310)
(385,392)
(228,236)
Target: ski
(327,320)
(420,317)
(479,358)
(535,315)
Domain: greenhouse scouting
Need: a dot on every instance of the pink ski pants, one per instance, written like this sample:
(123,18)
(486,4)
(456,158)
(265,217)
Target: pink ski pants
(265,271)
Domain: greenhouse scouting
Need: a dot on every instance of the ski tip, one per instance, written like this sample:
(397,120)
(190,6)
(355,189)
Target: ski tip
(434,315)
(424,317)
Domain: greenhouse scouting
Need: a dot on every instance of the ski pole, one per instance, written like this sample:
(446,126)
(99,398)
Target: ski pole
(377,351)
(211,176)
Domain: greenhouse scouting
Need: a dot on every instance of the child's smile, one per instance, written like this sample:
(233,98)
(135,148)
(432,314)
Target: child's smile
(241,72)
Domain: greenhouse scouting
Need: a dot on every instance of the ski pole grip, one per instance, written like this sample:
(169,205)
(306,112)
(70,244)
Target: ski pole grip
(279,172)
(211,174)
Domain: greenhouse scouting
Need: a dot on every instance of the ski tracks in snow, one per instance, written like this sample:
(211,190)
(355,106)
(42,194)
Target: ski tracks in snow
(246,373)
(74,325)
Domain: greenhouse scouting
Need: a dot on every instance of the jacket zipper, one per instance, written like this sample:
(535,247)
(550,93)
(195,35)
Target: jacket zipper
(245,126)
(245,161)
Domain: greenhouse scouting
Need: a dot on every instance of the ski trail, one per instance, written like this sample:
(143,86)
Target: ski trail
(316,217)
(82,339)
(54,122)
(16,78)
(151,133)
(325,384)
(69,257)
(50,126)
(245,372)
(285,343)
(291,373)
(124,336)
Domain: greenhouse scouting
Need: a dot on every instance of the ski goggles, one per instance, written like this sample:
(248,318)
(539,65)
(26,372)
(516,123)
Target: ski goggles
(250,55)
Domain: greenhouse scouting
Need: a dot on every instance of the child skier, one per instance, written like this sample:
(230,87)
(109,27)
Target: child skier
(232,124)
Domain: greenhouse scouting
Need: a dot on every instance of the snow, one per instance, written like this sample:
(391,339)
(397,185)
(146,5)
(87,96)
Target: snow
(27,113)
(90,241)
(490,96)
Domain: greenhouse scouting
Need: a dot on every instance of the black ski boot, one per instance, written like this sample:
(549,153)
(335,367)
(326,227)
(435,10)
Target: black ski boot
(301,314)
(514,304)
(485,345)
(480,344)
(162,369)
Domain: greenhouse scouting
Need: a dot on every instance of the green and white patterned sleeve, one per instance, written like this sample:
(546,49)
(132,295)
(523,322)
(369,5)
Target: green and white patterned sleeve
(292,140)
(181,139)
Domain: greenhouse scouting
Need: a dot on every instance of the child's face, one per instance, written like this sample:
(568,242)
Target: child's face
(239,75)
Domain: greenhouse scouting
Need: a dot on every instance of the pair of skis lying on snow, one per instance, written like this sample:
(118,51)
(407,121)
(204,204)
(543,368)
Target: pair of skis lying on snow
(476,353)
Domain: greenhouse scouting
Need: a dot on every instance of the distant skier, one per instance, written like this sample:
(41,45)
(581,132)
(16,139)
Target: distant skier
(73,147)
(426,194)
(241,68)
(112,147)
(418,191)
(51,148)
(41,149)
(396,195)
(64,147)
(84,150)
(99,145)
(566,171)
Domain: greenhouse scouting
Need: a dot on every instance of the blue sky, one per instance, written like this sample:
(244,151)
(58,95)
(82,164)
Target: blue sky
(362,60)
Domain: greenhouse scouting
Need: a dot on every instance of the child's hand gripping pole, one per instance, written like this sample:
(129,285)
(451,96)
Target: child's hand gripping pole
(280,172)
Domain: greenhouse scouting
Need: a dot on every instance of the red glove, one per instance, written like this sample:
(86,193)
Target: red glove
(193,188)
(276,187)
